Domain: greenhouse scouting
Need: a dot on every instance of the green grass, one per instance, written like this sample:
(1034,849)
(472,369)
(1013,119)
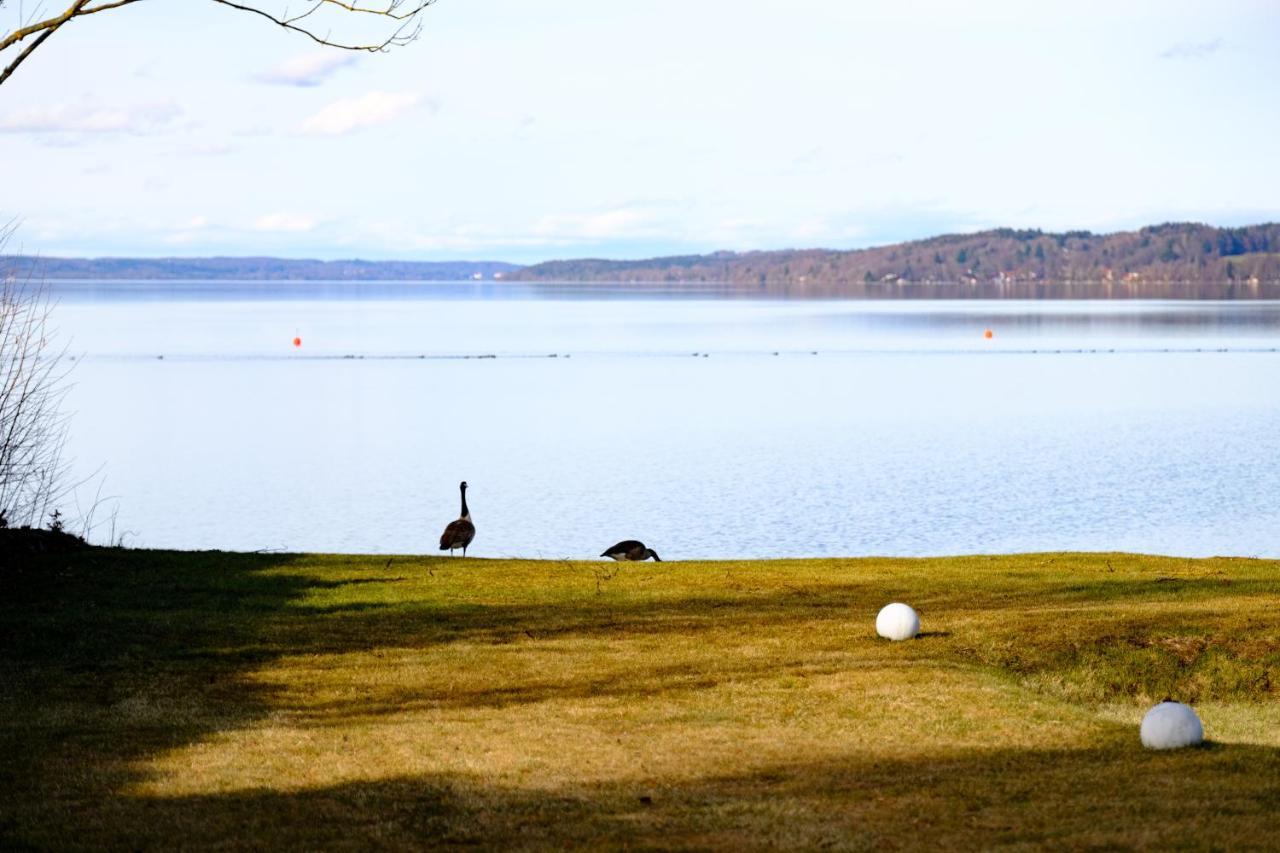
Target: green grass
(159,700)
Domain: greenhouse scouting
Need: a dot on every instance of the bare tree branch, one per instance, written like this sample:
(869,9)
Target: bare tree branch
(45,28)
(105,6)
(408,29)
(404,17)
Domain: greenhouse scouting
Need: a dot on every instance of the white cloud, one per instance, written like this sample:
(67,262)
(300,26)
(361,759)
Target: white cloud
(622,222)
(1193,49)
(284,222)
(204,149)
(309,69)
(368,110)
(192,231)
(86,118)
(619,222)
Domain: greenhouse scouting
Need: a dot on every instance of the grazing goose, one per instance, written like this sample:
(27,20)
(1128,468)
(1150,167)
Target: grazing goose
(630,549)
(460,531)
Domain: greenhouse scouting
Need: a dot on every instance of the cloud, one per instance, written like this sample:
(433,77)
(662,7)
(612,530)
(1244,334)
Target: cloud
(204,149)
(85,118)
(368,110)
(625,221)
(284,222)
(1193,49)
(309,69)
(618,222)
(193,230)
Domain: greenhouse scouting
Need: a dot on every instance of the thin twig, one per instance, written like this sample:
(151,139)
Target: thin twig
(404,15)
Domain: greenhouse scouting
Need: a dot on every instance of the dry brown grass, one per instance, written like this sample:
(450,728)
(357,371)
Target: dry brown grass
(159,700)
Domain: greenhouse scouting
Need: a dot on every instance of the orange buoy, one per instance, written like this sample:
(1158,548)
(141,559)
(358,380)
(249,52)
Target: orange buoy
(297,342)
(987,334)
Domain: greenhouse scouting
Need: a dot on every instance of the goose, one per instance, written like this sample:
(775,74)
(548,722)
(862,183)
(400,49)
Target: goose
(460,531)
(630,549)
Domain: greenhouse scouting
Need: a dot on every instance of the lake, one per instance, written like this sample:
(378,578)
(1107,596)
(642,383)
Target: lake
(705,423)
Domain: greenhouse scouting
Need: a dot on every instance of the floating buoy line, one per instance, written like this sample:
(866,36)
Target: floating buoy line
(994,353)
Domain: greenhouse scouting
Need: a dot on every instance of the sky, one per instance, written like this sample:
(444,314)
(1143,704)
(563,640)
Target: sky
(527,131)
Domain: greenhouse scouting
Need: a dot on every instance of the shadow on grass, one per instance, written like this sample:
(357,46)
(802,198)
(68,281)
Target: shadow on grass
(368,625)
(1113,797)
(113,657)
(110,656)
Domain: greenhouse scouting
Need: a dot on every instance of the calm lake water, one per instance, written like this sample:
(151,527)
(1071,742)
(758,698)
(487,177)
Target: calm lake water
(706,426)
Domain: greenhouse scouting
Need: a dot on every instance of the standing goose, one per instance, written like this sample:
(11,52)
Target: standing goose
(460,531)
(630,549)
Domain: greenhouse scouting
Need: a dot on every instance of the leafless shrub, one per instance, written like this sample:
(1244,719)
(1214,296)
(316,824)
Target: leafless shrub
(99,515)
(33,426)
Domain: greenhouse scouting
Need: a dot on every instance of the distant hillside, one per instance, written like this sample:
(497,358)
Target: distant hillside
(265,269)
(1175,259)
(1161,254)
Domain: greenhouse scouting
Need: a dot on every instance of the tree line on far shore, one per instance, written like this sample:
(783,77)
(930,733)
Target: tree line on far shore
(1182,253)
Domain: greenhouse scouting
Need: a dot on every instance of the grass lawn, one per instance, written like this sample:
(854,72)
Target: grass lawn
(159,700)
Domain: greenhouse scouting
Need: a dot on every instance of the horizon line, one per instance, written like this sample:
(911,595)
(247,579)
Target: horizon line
(710,253)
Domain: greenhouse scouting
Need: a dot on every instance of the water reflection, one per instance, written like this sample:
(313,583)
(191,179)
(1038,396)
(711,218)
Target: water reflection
(884,427)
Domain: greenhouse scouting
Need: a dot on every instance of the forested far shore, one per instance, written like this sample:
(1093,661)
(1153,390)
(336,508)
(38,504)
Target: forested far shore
(1170,254)
(1175,260)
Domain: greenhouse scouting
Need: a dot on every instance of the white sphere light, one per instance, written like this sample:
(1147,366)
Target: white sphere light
(1171,725)
(897,622)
